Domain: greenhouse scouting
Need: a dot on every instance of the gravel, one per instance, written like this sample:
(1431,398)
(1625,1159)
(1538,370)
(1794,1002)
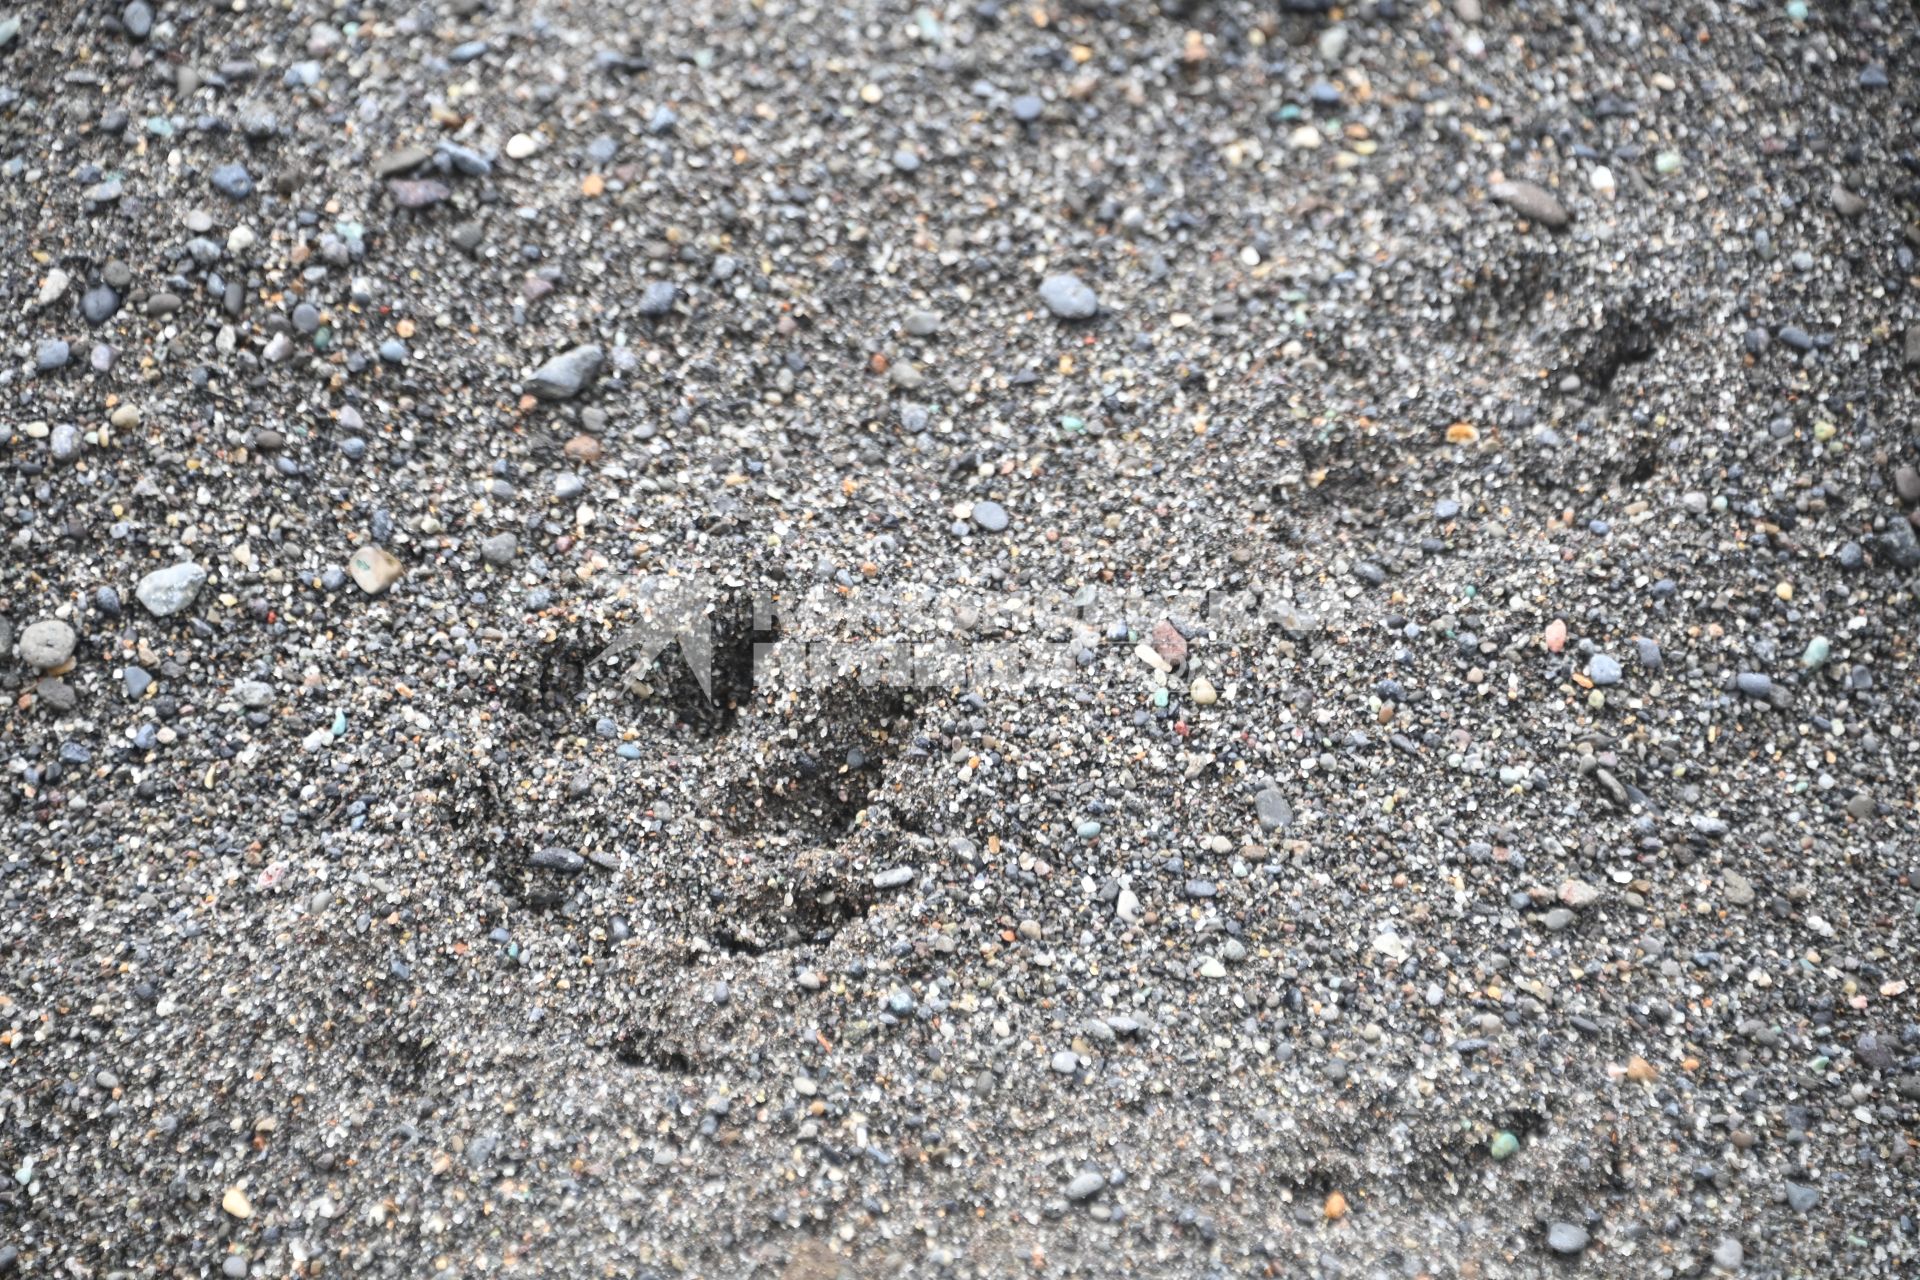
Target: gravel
(1312,630)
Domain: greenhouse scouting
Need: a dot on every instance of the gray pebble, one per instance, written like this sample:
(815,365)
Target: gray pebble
(1898,544)
(555,858)
(65,442)
(45,645)
(232,181)
(98,304)
(991,516)
(253,694)
(657,299)
(564,376)
(1273,811)
(166,592)
(1086,1186)
(1566,1238)
(1532,202)
(1069,297)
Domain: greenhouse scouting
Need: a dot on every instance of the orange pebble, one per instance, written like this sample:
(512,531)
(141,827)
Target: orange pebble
(1336,1206)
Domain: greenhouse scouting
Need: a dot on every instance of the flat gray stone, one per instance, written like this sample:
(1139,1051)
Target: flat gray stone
(1272,809)
(1532,202)
(1566,1238)
(554,858)
(166,592)
(1086,1187)
(564,376)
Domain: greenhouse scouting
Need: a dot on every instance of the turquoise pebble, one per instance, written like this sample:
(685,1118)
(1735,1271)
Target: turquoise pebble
(1504,1144)
(339,724)
(1816,655)
(1089,829)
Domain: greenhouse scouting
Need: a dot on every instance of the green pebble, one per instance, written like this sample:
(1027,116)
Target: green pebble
(1071,423)
(1823,431)
(1667,162)
(1816,655)
(1819,1063)
(1504,1144)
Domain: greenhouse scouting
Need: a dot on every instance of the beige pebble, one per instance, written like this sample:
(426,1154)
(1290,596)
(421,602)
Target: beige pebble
(235,1202)
(521,145)
(375,569)
(1202,692)
(125,416)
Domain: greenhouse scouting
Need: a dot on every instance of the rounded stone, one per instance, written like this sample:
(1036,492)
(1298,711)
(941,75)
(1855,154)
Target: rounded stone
(991,516)
(48,644)
(1069,297)
(1566,1238)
